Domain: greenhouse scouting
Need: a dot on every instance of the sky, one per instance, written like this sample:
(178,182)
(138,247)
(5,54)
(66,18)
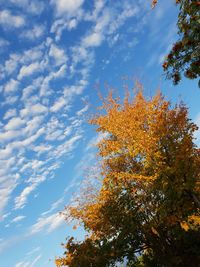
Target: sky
(55,58)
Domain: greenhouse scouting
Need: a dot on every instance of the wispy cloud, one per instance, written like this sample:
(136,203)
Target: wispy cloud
(28,263)
(33,251)
(47,224)
(59,104)
(21,200)
(54,206)
(18,219)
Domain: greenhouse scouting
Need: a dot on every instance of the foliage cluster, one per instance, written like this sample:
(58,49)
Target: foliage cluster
(148,203)
(185,53)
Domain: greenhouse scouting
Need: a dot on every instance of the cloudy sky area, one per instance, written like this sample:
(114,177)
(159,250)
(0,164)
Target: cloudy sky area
(55,56)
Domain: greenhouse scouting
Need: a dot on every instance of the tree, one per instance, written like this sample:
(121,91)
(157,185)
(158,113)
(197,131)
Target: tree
(148,201)
(185,53)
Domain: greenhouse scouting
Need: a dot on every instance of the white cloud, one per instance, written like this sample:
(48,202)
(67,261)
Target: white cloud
(14,124)
(9,20)
(33,34)
(35,7)
(73,90)
(54,135)
(59,104)
(20,145)
(3,217)
(54,206)
(21,200)
(28,70)
(58,54)
(8,136)
(40,177)
(33,110)
(11,64)
(61,24)
(18,219)
(42,148)
(32,55)
(80,54)
(27,141)
(32,165)
(128,11)
(60,73)
(67,7)
(103,21)
(56,130)
(6,152)
(57,221)
(11,86)
(11,99)
(27,91)
(33,125)
(98,6)
(72,24)
(66,147)
(98,33)
(47,224)
(94,39)
(82,111)
(10,113)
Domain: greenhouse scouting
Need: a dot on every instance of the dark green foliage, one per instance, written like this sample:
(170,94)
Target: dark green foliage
(185,54)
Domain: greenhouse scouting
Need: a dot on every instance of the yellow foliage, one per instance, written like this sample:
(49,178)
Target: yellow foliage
(149,167)
(146,140)
(185,226)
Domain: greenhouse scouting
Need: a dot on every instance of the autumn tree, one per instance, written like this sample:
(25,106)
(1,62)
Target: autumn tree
(146,209)
(184,56)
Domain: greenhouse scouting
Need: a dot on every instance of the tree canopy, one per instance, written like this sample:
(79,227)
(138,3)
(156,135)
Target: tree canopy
(146,210)
(184,56)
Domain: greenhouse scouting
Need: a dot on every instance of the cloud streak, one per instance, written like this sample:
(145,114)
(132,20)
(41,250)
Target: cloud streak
(47,224)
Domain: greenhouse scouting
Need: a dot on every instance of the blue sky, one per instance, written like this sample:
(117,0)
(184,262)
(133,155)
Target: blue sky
(55,56)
